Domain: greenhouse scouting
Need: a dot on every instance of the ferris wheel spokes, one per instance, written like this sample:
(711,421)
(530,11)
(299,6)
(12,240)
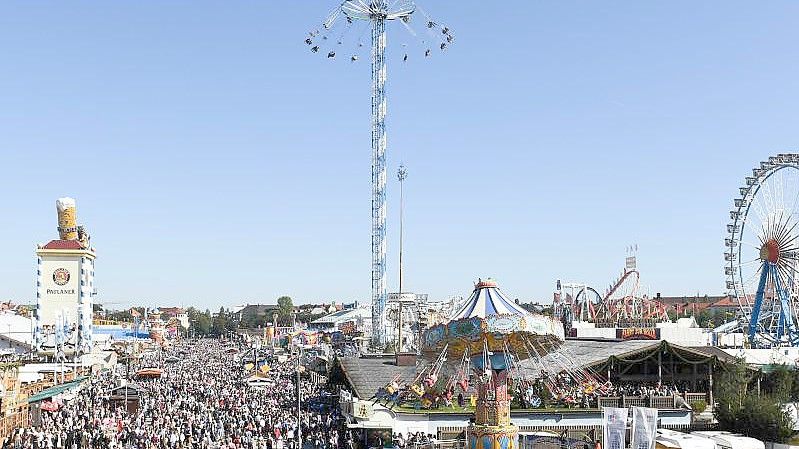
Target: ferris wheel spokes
(762,275)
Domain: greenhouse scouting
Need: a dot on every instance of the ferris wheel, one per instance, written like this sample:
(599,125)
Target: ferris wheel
(762,252)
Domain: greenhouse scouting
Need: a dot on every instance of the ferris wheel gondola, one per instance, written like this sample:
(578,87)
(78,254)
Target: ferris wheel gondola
(762,252)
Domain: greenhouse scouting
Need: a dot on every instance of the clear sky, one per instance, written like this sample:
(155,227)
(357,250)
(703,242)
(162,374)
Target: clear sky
(215,160)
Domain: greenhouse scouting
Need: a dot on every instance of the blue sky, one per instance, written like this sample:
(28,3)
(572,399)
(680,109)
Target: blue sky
(215,160)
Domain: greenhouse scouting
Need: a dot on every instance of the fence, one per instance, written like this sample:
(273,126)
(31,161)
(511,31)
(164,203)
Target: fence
(575,432)
(10,422)
(571,436)
(696,425)
(659,402)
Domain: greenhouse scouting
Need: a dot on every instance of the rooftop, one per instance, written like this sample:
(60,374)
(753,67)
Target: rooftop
(63,244)
(671,300)
(341,314)
(367,375)
(591,352)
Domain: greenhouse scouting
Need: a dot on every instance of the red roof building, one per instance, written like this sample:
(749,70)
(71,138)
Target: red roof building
(63,244)
(171,311)
(690,308)
(725,305)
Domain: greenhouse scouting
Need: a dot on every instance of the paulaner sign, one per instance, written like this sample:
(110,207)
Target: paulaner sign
(60,292)
(59,289)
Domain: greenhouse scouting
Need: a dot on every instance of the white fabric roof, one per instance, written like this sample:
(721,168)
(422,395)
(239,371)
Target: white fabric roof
(16,327)
(487,300)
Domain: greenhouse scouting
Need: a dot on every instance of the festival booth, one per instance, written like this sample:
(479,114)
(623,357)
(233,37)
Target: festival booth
(149,373)
(52,399)
(126,396)
(303,337)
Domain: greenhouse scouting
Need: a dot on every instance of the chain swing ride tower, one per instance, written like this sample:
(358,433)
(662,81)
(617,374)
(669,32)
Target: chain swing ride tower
(374,14)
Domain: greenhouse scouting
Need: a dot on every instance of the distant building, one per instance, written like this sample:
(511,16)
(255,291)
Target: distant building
(533,307)
(690,308)
(674,300)
(693,305)
(726,304)
(320,310)
(346,321)
(258,312)
(177,313)
(16,333)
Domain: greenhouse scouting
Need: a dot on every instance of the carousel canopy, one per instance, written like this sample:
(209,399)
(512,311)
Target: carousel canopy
(487,300)
(488,321)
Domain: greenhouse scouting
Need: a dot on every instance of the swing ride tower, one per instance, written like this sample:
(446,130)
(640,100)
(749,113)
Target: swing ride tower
(376,14)
(490,335)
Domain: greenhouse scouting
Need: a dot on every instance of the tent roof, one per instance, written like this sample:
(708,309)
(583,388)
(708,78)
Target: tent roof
(367,375)
(487,300)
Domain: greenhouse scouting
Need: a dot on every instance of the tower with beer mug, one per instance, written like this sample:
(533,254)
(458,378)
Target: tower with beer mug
(64,288)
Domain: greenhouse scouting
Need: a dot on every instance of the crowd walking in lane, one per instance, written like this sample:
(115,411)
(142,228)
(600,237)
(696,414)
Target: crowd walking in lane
(202,400)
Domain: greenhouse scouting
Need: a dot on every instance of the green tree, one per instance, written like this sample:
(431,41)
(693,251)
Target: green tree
(704,318)
(760,416)
(117,315)
(199,322)
(730,390)
(778,384)
(285,306)
(795,387)
(219,323)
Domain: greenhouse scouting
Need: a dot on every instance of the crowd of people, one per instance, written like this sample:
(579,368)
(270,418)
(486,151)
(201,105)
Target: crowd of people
(202,400)
(644,389)
(565,390)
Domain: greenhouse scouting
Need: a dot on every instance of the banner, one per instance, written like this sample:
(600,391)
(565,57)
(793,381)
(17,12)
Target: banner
(644,428)
(638,333)
(362,409)
(614,426)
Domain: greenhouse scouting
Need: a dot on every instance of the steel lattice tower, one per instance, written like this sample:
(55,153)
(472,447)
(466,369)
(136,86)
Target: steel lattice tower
(376,13)
(379,287)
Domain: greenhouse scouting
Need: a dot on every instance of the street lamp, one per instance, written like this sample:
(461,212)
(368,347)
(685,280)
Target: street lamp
(402,175)
(299,399)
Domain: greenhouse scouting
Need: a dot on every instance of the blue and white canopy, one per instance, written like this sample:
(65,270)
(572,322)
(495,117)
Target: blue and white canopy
(487,300)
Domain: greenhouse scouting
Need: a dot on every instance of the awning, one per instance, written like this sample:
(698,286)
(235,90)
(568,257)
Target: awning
(53,391)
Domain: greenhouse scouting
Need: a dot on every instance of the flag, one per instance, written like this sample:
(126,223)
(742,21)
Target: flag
(614,426)
(644,428)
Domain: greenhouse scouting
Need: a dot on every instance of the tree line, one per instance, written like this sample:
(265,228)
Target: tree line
(208,324)
(750,402)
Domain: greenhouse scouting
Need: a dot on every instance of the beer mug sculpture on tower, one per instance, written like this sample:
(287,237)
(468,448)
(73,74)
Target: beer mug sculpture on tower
(67,219)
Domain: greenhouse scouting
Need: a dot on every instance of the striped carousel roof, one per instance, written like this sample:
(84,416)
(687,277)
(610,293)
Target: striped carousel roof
(487,300)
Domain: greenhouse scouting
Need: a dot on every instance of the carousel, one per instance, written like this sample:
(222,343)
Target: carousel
(496,351)
(484,343)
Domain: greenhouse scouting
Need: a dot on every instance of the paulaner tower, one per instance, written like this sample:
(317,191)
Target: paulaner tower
(65,287)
